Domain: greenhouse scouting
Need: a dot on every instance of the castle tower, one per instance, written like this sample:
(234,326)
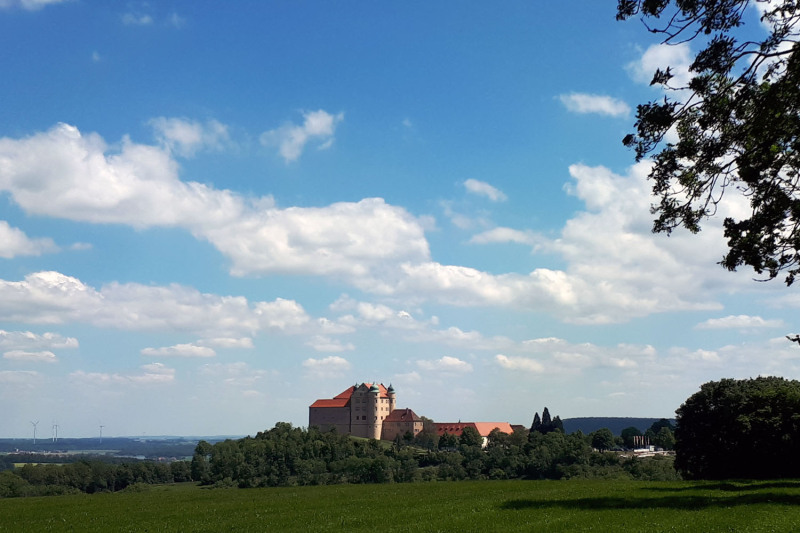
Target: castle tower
(392,398)
(376,424)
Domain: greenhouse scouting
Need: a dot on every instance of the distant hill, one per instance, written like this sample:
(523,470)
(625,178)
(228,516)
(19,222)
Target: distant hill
(589,424)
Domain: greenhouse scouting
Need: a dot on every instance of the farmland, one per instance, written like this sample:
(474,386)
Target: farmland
(573,505)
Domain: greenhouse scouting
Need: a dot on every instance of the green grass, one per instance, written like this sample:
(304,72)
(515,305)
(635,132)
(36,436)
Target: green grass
(576,505)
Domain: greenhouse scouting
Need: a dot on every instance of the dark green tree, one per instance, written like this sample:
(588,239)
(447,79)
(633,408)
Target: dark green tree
(470,437)
(537,422)
(627,435)
(546,420)
(603,439)
(200,469)
(737,123)
(661,423)
(740,429)
(664,438)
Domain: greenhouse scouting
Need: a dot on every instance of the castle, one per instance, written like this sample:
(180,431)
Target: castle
(366,410)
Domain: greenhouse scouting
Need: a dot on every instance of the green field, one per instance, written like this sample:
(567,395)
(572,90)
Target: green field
(480,506)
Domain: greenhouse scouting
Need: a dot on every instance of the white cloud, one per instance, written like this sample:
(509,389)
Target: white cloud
(14,242)
(137,19)
(53,298)
(62,173)
(291,139)
(180,350)
(227,342)
(30,5)
(31,357)
(18,377)
(154,373)
(481,188)
(327,367)
(524,364)
(744,322)
(349,240)
(594,103)
(616,269)
(323,343)
(26,340)
(446,364)
(186,137)
(504,235)
(660,56)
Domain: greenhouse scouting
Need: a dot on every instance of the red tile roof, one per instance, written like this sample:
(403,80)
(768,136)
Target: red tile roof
(483,428)
(402,415)
(343,398)
(336,402)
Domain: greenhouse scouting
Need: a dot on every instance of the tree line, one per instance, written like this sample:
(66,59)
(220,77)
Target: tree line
(286,455)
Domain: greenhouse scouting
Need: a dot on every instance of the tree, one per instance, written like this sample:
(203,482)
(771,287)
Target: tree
(628,435)
(740,428)
(537,422)
(200,470)
(603,439)
(546,424)
(664,438)
(737,123)
(470,437)
(661,423)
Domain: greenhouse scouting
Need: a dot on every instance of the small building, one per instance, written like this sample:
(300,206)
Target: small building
(399,422)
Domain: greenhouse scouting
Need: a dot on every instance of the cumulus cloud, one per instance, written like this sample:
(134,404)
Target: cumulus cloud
(481,188)
(54,298)
(62,173)
(348,240)
(660,56)
(744,322)
(328,366)
(594,103)
(446,364)
(45,356)
(616,269)
(26,340)
(179,350)
(186,137)
(291,139)
(14,242)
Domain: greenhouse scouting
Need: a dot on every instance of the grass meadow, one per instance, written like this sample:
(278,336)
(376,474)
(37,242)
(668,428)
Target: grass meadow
(479,506)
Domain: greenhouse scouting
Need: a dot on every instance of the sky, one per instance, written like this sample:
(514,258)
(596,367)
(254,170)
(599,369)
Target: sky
(213,214)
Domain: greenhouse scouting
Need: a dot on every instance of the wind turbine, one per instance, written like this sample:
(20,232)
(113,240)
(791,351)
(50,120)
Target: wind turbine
(101,433)
(34,431)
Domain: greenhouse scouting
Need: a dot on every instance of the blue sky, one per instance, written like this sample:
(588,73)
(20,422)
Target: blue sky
(211,216)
